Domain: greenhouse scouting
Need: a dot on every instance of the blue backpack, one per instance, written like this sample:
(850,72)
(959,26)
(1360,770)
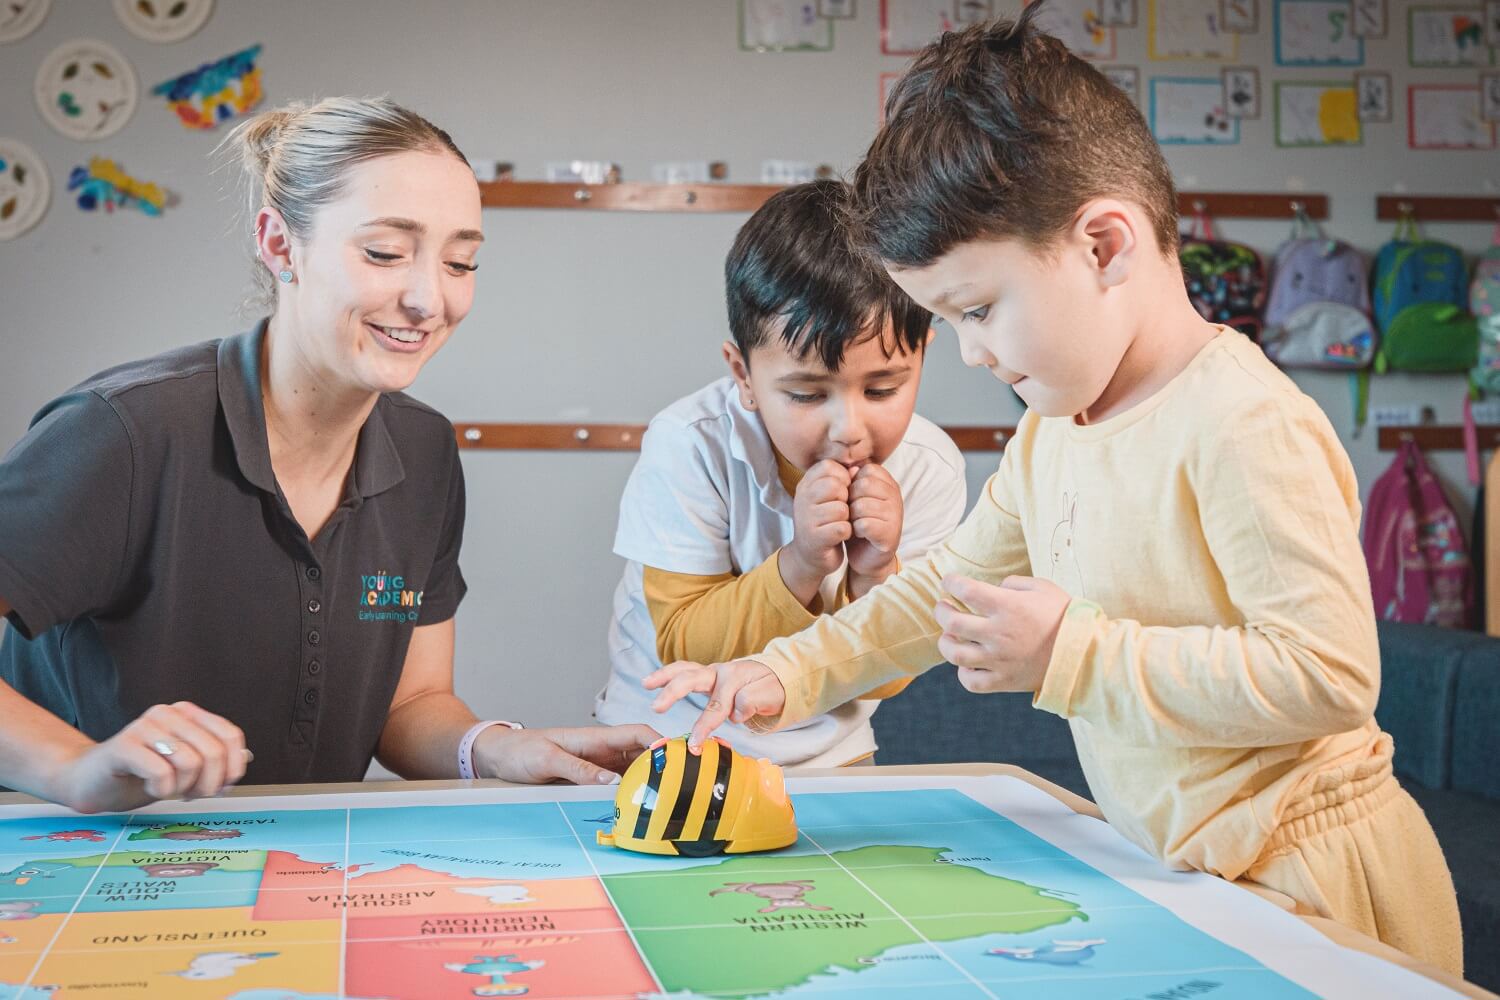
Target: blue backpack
(1412,271)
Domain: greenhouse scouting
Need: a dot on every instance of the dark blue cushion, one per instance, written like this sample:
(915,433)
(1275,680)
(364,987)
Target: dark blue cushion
(1419,667)
(936,721)
(1466,826)
(1476,724)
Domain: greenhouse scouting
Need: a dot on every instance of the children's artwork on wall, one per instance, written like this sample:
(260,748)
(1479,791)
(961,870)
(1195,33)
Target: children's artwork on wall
(163,20)
(1118,13)
(1447,116)
(1313,113)
(104,185)
(1446,36)
(19,18)
(86,89)
(1190,111)
(1239,17)
(1127,78)
(1492,23)
(1489,96)
(1373,91)
(1189,29)
(783,26)
(25,188)
(216,91)
(1076,23)
(972,11)
(1369,18)
(907,25)
(1241,91)
(1316,33)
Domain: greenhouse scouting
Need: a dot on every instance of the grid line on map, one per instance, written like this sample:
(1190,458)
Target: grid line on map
(74,909)
(344,916)
(925,939)
(610,896)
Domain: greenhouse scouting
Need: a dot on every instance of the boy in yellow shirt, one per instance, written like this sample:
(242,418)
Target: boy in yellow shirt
(1168,555)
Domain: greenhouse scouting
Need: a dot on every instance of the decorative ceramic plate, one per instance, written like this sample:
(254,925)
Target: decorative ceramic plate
(86,89)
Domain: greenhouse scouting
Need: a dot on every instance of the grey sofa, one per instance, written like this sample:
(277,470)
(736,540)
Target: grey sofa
(1439,699)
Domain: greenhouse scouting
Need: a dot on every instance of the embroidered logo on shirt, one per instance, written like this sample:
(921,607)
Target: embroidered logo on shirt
(384,598)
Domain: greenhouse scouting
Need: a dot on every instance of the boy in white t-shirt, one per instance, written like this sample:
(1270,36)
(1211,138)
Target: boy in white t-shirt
(789,488)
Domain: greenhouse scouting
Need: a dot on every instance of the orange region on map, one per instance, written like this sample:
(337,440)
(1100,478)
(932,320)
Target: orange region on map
(33,935)
(293,890)
(122,955)
(600,964)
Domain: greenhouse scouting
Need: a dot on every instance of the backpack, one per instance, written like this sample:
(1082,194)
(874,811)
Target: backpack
(1414,271)
(1484,303)
(1430,337)
(1226,281)
(1419,567)
(1317,313)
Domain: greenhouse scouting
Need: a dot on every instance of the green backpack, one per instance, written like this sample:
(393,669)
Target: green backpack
(1430,337)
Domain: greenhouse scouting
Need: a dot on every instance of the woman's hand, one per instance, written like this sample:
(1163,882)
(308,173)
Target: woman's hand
(171,751)
(587,755)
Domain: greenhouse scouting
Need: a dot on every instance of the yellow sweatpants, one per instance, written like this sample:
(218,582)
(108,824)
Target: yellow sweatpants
(1358,849)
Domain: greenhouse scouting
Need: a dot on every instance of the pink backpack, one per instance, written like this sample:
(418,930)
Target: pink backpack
(1419,566)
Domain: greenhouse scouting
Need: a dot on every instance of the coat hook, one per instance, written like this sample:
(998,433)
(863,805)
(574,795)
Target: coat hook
(1199,205)
(1297,208)
(582,194)
(1405,207)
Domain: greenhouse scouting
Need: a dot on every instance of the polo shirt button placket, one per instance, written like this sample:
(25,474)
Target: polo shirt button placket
(312,628)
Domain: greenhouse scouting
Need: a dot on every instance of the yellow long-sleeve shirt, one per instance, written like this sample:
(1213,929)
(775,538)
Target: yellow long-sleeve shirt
(724,616)
(1219,651)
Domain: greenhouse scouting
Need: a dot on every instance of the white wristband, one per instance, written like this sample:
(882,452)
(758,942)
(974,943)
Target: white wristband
(466,745)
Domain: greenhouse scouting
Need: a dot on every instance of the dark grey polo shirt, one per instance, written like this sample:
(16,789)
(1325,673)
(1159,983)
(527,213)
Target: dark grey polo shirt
(149,556)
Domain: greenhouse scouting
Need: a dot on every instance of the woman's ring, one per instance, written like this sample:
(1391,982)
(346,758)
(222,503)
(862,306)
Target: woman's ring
(164,747)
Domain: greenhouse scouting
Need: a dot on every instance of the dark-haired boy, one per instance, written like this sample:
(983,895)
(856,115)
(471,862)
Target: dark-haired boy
(788,488)
(1168,556)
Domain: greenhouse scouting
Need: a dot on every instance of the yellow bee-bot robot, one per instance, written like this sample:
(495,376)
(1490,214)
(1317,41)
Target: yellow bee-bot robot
(671,801)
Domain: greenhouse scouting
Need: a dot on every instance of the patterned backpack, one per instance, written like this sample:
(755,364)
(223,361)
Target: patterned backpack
(1317,314)
(1484,303)
(1419,567)
(1226,282)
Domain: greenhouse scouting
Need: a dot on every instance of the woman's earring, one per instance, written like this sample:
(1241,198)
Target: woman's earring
(286,277)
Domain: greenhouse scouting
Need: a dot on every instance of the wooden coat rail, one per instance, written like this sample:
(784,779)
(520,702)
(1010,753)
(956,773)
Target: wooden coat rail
(1235,205)
(627,437)
(626,197)
(1390,207)
(1439,437)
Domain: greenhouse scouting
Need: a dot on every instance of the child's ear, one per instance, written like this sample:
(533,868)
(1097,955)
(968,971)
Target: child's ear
(740,369)
(1109,232)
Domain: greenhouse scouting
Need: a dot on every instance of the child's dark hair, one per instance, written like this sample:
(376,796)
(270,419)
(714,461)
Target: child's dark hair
(998,131)
(794,273)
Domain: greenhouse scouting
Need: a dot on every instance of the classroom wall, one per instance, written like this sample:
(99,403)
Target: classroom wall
(579,316)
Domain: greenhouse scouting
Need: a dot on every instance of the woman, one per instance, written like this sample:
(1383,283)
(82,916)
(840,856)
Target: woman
(239,560)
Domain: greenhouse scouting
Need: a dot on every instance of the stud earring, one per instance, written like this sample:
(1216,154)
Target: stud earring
(286,277)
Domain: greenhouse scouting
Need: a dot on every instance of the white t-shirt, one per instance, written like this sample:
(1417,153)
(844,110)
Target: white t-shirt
(705,498)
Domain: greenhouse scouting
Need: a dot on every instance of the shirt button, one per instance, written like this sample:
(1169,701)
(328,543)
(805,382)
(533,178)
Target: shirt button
(314,666)
(313,573)
(314,637)
(311,697)
(314,605)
